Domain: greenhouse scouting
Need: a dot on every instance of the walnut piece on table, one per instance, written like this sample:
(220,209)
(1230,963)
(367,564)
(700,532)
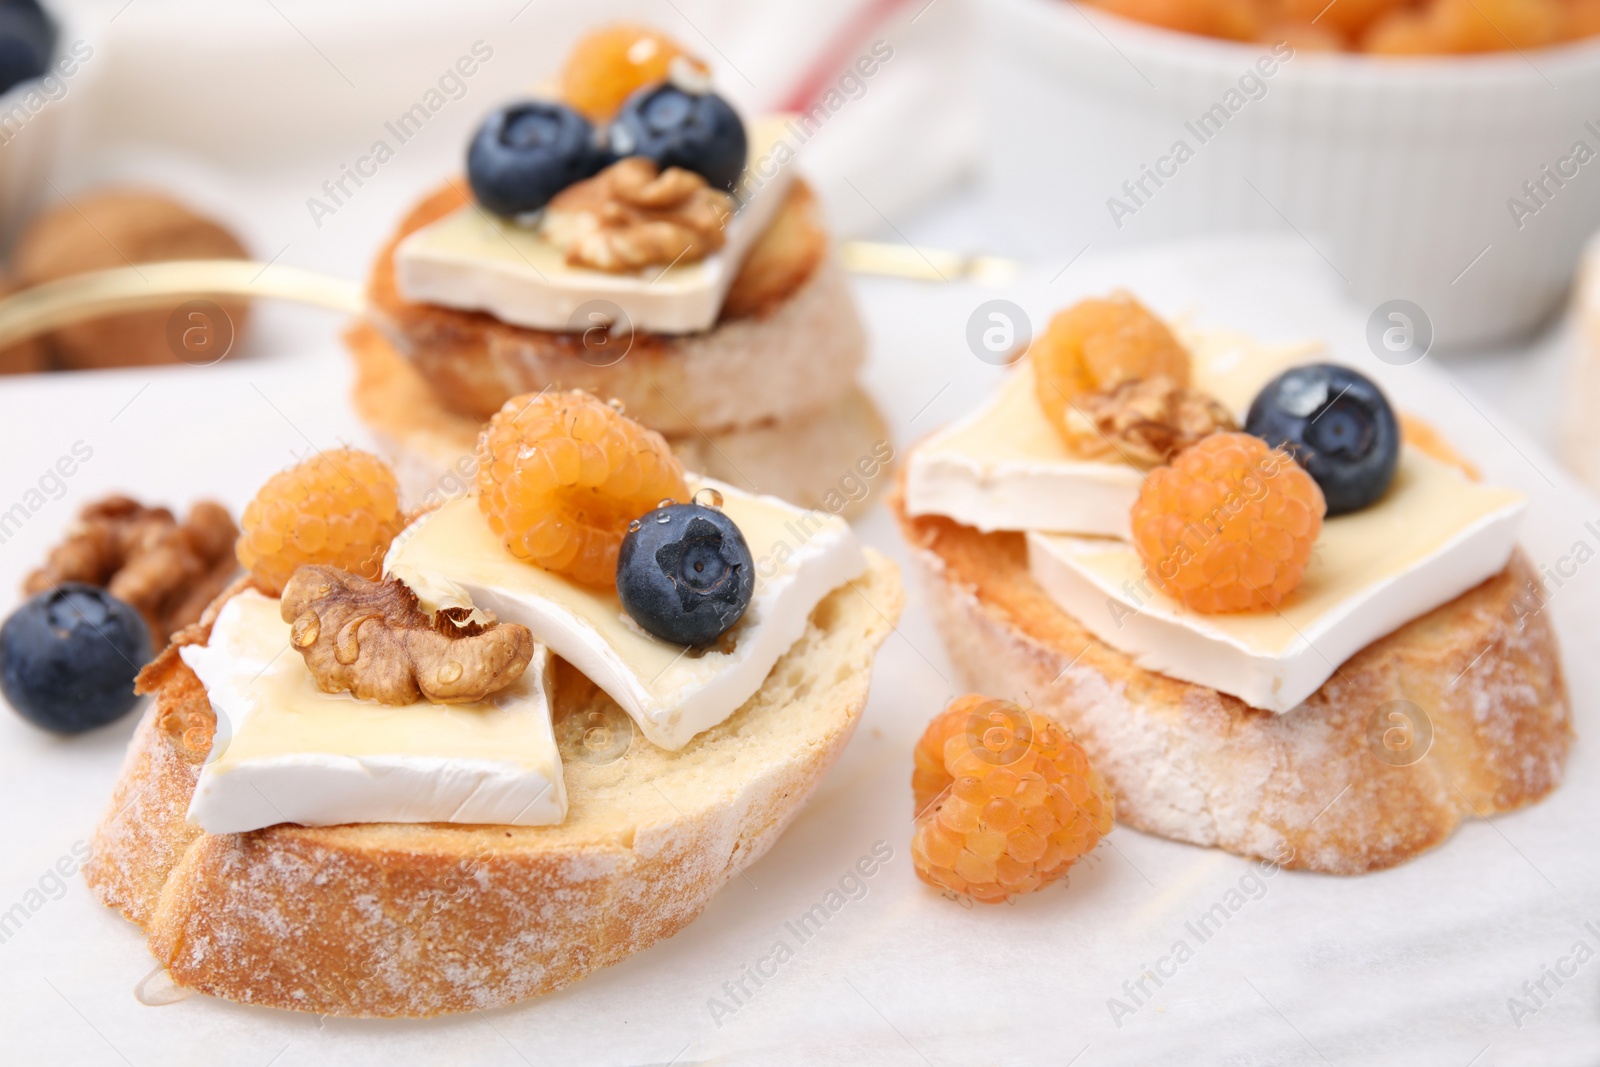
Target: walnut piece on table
(167,570)
(373,640)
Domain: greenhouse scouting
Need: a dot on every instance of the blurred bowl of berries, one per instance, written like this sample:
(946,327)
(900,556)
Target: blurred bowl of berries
(45,62)
(1431,151)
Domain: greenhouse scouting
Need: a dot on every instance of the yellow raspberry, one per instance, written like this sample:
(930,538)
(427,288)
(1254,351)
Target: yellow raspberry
(1239,20)
(608,65)
(1450,26)
(560,476)
(1096,345)
(1347,18)
(339,508)
(1229,525)
(1006,800)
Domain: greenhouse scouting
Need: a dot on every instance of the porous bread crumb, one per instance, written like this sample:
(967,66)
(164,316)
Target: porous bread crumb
(1195,765)
(417,920)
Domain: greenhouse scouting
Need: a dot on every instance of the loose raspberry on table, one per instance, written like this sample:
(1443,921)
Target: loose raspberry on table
(1006,800)
(1229,525)
(560,476)
(340,508)
(608,65)
(1096,345)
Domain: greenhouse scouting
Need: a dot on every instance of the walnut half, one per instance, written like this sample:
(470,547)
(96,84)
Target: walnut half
(374,640)
(1146,421)
(633,215)
(168,570)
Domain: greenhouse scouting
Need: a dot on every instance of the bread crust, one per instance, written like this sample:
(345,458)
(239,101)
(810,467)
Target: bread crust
(420,920)
(1307,789)
(830,459)
(789,340)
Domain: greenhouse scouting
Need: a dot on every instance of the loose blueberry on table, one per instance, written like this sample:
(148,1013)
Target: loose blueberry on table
(1338,425)
(676,128)
(68,658)
(527,152)
(685,574)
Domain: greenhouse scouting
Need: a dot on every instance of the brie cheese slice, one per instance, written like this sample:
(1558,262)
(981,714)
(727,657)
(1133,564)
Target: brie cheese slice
(1432,537)
(476,261)
(286,752)
(1005,467)
(450,558)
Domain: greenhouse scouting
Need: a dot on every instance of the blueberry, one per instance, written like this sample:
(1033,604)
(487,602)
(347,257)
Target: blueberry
(685,573)
(27,40)
(527,152)
(676,128)
(68,657)
(1338,425)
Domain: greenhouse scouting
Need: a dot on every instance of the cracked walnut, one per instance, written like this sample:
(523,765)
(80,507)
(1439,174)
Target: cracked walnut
(633,215)
(1146,421)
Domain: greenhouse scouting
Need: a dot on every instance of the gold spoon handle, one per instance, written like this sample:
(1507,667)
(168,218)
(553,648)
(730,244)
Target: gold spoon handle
(136,288)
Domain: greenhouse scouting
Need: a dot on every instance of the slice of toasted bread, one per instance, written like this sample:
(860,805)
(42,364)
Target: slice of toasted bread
(821,460)
(789,341)
(1325,787)
(425,919)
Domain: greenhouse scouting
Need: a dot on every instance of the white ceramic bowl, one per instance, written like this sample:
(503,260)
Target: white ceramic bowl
(1402,174)
(37,118)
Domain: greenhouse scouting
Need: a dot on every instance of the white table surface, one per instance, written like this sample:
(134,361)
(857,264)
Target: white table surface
(1412,965)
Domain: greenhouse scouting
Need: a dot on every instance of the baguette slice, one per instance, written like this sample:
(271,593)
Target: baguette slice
(426,919)
(821,460)
(789,342)
(1195,765)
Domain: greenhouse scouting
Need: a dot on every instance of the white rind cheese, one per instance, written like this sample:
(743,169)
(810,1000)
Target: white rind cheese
(1005,467)
(1431,538)
(473,260)
(285,752)
(451,558)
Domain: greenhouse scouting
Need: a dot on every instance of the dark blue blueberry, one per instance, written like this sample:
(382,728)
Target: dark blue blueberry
(27,41)
(68,657)
(685,573)
(1338,425)
(527,152)
(695,131)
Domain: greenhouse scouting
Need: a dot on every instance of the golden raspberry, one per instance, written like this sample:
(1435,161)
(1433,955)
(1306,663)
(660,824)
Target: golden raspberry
(1096,345)
(1583,19)
(338,509)
(1496,25)
(1406,32)
(1303,37)
(560,476)
(1229,525)
(1006,800)
(606,66)
(1448,26)
(1236,19)
(1347,18)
